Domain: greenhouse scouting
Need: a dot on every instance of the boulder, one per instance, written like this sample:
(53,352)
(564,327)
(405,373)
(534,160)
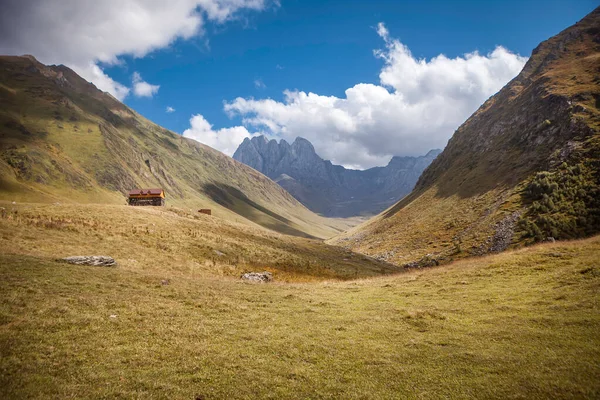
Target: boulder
(101,261)
(260,277)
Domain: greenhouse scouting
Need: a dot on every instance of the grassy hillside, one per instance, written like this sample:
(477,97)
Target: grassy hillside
(520,324)
(166,240)
(523,168)
(63,140)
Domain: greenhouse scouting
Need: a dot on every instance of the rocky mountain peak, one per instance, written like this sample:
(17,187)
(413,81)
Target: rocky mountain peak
(330,189)
(403,162)
(303,145)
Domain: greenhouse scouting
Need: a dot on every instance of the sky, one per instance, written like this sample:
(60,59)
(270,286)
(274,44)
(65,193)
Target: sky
(362,80)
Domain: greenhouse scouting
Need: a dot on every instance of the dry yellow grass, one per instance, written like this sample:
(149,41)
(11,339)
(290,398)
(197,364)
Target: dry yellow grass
(445,227)
(169,240)
(517,325)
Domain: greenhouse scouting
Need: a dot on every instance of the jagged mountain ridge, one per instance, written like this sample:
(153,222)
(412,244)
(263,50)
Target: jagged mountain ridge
(524,167)
(329,189)
(63,140)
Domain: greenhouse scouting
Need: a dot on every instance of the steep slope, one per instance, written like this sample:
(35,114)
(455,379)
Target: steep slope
(328,189)
(63,140)
(524,167)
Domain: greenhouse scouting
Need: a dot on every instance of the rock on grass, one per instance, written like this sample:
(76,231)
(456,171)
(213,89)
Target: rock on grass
(260,277)
(100,261)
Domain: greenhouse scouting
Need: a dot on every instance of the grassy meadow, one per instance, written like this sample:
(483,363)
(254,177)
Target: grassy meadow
(170,240)
(520,324)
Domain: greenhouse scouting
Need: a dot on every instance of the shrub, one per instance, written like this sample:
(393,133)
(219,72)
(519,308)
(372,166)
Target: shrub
(563,203)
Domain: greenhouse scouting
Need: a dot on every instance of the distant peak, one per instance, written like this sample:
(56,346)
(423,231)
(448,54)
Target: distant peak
(300,139)
(304,144)
(433,152)
(396,160)
(259,138)
(30,57)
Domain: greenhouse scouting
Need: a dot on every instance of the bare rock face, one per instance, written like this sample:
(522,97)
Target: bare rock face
(259,277)
(99,261)
(505,230)
(328,189)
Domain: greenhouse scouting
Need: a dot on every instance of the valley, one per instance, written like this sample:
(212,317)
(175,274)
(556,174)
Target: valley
(468,272)
(63,140)
(332,190)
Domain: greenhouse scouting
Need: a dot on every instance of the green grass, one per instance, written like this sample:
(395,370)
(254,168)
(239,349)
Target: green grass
(72,143)
(517,325)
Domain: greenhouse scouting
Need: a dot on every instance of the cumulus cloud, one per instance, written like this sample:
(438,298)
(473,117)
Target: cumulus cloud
(83,34)
(225,140)
(416,106)
(170,109)
(142,88)
(93,73)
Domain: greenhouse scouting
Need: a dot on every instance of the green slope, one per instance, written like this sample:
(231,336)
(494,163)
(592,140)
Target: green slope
(524,167)
(63,140)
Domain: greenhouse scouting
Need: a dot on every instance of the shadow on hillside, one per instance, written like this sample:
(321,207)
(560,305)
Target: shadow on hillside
(235,200)
(471,177)
(468,174)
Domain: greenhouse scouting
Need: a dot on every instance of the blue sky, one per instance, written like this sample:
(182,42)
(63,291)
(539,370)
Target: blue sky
(292,68)
(326,47)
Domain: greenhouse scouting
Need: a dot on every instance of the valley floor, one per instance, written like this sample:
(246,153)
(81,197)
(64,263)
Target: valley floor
(522,324)
(173,241)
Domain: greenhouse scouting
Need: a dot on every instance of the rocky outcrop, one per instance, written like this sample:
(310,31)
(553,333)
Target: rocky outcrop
(505,229)
(259,277)
(98,261)
(328,189)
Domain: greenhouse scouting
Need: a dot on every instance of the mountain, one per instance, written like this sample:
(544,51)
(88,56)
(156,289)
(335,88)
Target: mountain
(524,167)
(63,140)
(328,189)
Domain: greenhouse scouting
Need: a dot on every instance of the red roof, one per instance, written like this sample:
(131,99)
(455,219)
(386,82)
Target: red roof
(145,191)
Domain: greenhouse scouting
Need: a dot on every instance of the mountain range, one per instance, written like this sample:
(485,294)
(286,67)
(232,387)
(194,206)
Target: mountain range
(328,189)
(524,167)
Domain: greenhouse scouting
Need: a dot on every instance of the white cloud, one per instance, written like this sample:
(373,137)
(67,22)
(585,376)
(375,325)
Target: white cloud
(142,88)
(225,140)
(170,109)
(416,107)
(94,73)
(83,33)
(259,84)
(382,31)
